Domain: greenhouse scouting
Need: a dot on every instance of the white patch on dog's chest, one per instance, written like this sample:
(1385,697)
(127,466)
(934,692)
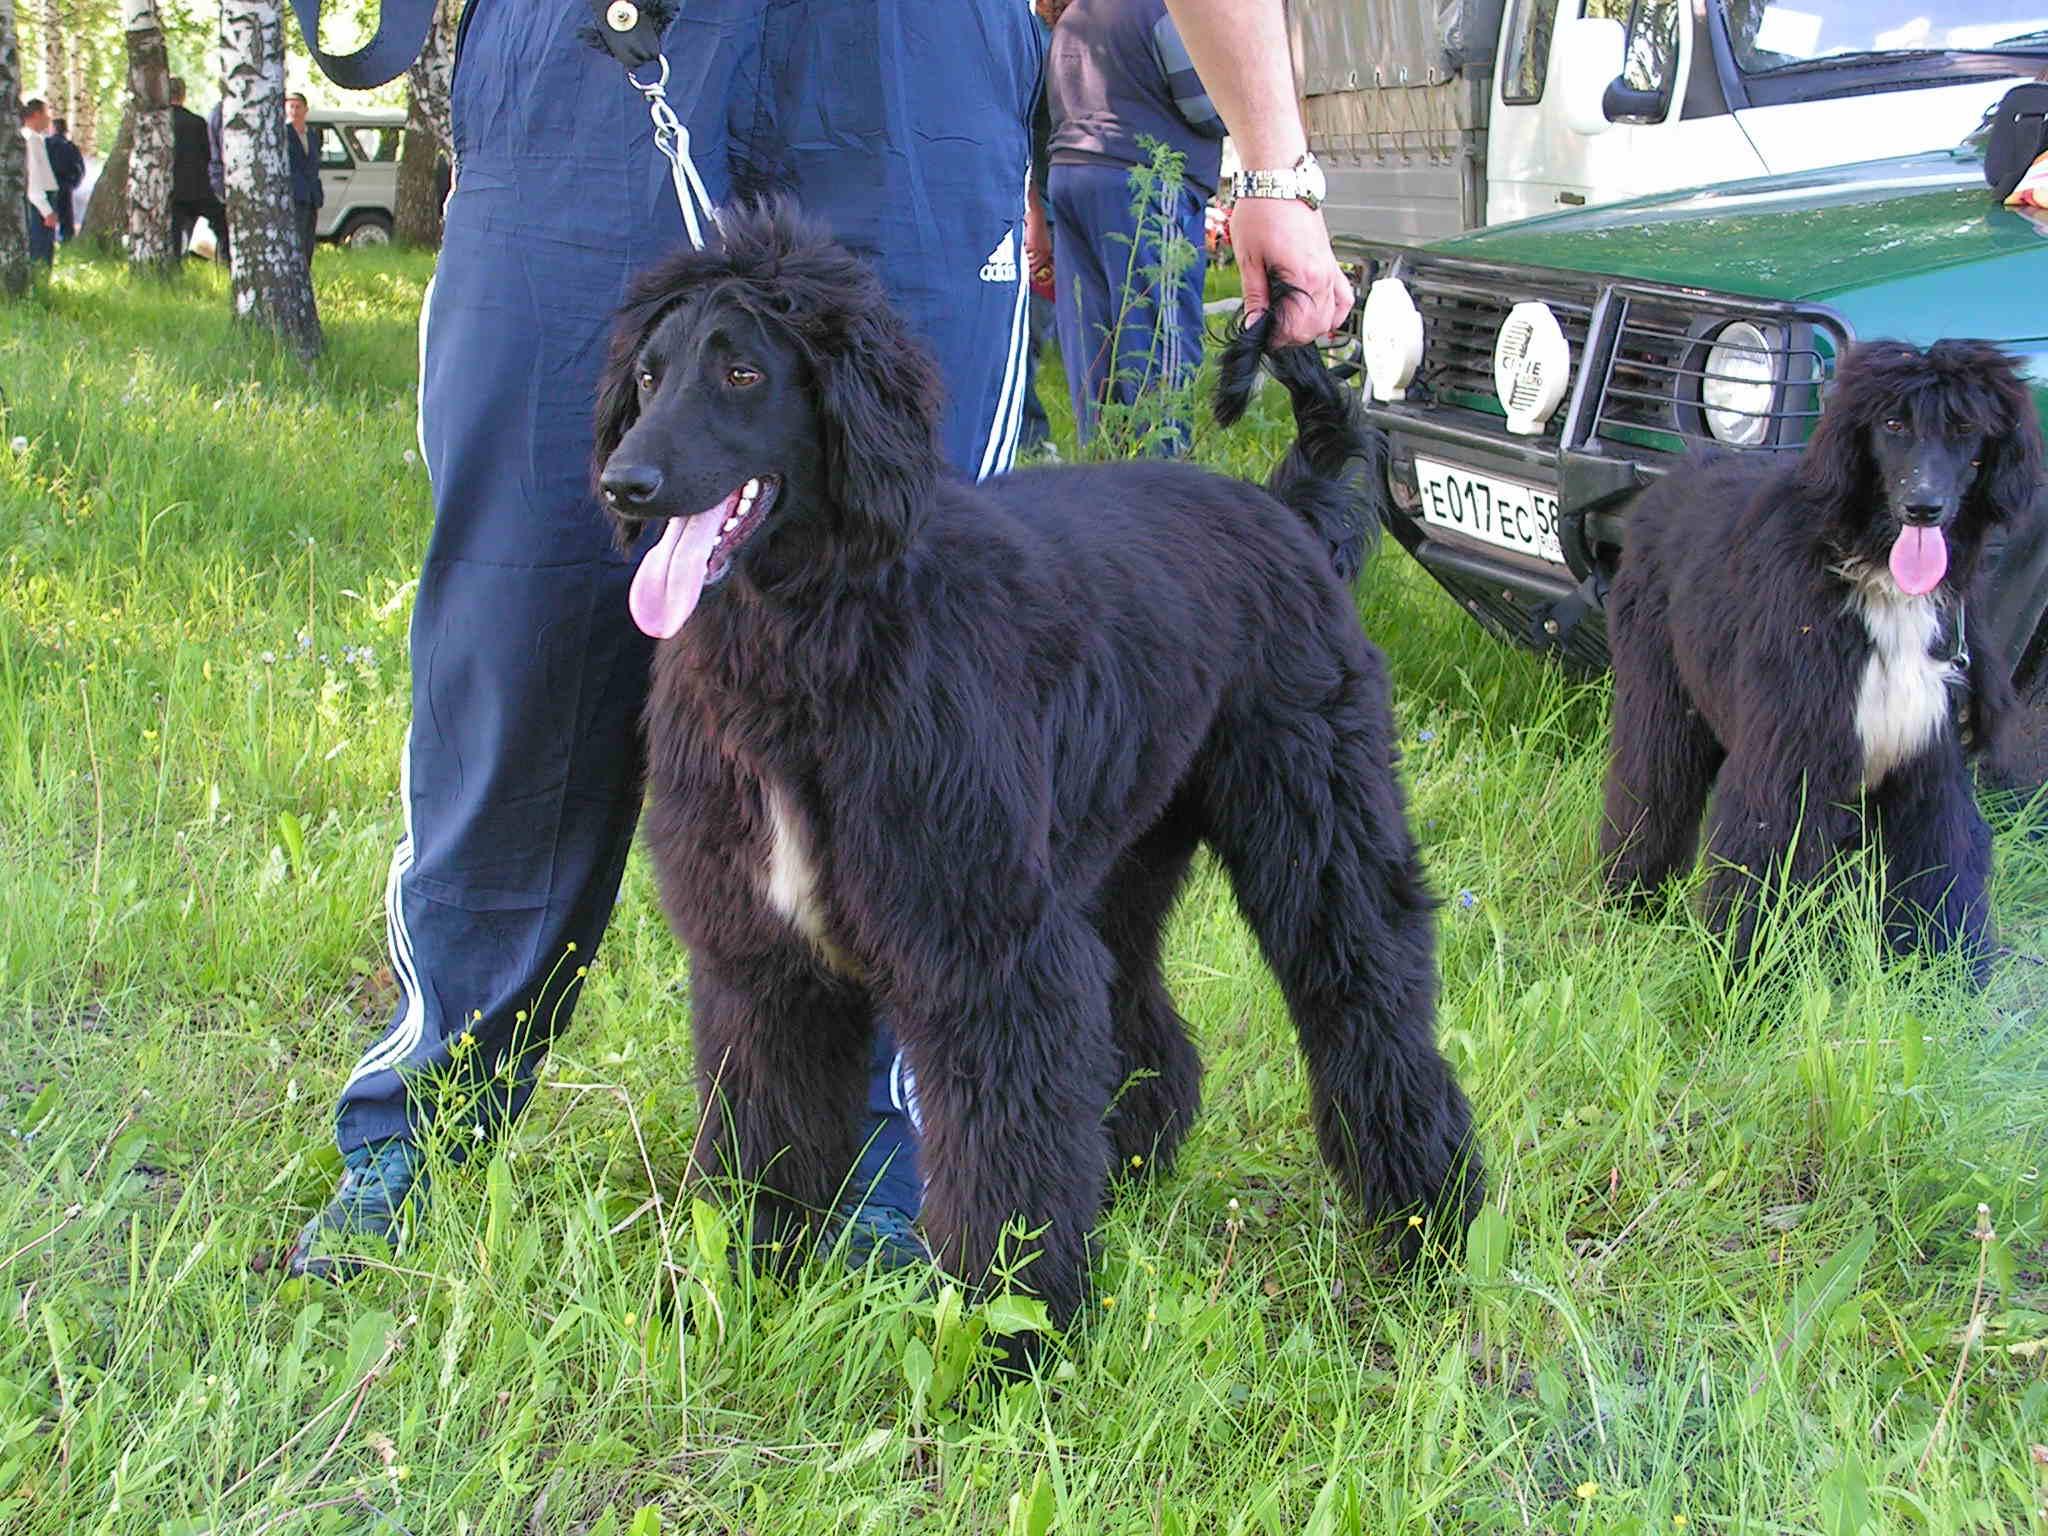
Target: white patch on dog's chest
(790,880)
(1903,702)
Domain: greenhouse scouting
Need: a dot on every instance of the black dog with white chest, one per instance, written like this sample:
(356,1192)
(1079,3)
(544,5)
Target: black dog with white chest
(1803,640)
(942,753)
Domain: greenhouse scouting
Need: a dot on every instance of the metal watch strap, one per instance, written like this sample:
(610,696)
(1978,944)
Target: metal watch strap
(1269,183)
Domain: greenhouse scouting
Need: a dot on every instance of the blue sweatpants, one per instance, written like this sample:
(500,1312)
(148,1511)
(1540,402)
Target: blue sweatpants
(902,126)
(1113,339)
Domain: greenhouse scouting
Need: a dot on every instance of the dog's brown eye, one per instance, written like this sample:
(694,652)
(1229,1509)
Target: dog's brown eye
(742,377)
(646,379)
(1895,425)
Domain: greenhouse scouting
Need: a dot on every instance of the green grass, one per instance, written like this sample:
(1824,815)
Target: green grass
(1722,1278)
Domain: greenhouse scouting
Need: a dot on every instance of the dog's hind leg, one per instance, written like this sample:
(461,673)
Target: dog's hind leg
(1304,808)
(1663,762)
(781,1075)
(1937,854)
(1160,1086)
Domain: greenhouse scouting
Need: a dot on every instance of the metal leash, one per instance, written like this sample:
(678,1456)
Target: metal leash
(672,138)
(631,34)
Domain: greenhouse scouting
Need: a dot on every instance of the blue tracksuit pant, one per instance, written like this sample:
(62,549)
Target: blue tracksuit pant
(1114,341)
(901,125)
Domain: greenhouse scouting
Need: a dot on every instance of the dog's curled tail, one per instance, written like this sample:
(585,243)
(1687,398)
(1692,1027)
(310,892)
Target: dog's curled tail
(1334,473)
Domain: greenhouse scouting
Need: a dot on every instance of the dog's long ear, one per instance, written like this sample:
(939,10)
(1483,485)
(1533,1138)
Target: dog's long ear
(2010,480)
(1836,466)
(878,412)
(618,399)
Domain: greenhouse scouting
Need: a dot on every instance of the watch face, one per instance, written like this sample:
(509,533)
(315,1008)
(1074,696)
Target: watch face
(1312,183)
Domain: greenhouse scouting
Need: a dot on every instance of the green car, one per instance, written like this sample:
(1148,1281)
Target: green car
(1532,376)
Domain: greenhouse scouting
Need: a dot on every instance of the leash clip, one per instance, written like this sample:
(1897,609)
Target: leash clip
(672,138)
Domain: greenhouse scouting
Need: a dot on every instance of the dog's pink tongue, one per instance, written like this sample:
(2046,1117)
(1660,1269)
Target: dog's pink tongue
(671,575)
(1919,560)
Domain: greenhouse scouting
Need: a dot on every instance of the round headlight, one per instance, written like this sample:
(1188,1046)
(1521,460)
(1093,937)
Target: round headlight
(1740,380)
(1392,328)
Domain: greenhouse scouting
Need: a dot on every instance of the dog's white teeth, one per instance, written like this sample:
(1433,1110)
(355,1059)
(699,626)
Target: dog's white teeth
(731,523)
(751,489)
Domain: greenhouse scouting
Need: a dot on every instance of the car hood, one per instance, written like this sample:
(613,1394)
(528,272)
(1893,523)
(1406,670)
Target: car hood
(1810,235)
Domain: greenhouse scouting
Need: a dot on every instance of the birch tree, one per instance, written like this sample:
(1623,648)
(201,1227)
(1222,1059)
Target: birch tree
(87,50)
(427,130)
(56,70)
(14,270)
(151,245)
(270,282)
(78,91)
(106,216)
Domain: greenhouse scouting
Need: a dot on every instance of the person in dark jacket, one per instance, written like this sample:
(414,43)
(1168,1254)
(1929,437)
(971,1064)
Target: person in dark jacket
(303,145)
(1118,74)
(192,196)
(67,164)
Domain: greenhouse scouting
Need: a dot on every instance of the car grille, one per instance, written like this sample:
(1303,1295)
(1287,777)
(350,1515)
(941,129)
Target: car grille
(1639,353)
(1460,322)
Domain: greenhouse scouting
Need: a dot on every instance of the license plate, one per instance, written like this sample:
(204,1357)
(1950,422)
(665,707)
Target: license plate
(1503,512)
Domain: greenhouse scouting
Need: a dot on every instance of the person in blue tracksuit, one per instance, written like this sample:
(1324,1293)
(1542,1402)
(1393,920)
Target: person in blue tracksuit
(904,127)
(1119,74)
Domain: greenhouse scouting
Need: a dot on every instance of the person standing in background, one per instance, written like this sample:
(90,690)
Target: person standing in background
(39,203)
(1035,436)
(1119,79)
(303,145)
(192,196)
(67,164)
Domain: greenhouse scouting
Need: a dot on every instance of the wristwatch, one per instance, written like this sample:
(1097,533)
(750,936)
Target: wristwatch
(1303,180)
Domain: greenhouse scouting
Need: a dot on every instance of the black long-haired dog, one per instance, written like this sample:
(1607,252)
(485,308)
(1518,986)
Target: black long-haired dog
(1804,640)
(942,753)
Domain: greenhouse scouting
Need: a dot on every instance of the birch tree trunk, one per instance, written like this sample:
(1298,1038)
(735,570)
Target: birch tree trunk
(270,283)
(85,128)
(427,131)
(106,216)
(56,72)
(433,70)
(14,271)
(150,243)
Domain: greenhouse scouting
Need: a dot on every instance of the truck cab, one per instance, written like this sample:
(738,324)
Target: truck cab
(1436,116)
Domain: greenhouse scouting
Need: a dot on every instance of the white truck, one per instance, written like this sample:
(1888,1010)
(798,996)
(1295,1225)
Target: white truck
(1435,116)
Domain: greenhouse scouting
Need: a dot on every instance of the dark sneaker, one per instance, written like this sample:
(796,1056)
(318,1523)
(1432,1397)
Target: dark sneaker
(878,1209)
(376,1182)
(882,1233)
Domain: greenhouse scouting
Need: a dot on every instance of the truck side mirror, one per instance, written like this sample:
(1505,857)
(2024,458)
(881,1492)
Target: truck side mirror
(1589,58)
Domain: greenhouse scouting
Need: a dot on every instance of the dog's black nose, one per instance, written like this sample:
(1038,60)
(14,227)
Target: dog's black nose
(1923,514)
(629,485)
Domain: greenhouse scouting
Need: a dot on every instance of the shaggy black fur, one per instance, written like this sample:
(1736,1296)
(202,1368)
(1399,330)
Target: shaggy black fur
(942,753)
(1743,626)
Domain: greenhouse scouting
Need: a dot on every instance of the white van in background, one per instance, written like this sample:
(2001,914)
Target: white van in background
(1435,116)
